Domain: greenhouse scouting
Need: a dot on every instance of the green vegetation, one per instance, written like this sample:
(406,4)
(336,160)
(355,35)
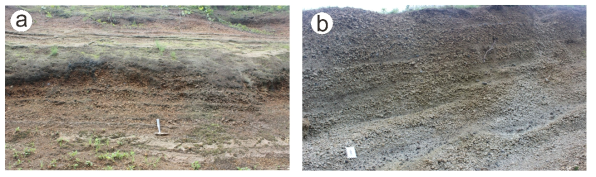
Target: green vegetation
(462,6)
(242,27)
(243,168)
(173,54)
(152,163)
(195,165)
(186,10)
(132,154)
(75,166)
(211,134)
(28,151)
(207,10)
(54,51)
(73,154)
(285,46)
(53,163)
(17,130)
(17,163)
(156,161)
(256,9)
(88,163)
(394,11)
(108,168)
(119,155)
(235,10)
(159,46)
(106,156)
(97,144)
(420,7)
(97,13)
(113,156)
(60,141)
(15,154)
(132,167)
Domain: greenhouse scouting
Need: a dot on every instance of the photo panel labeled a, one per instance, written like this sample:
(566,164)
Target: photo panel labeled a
(143,87)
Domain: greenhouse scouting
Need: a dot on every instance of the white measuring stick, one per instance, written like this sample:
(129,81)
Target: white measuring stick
(158,129)
(351,152)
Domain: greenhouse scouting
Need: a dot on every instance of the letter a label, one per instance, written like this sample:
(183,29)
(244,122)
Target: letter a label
(21,21)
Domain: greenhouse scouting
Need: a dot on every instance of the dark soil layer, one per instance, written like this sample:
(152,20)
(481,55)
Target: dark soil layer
(86,95)
(414,91)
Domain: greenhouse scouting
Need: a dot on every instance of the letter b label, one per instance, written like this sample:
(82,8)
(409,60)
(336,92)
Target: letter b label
(321,23)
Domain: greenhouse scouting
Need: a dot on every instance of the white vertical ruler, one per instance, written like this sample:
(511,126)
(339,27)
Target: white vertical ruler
(158,129)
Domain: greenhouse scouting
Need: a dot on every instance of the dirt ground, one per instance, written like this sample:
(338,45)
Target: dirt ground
(85,85)
(414,90)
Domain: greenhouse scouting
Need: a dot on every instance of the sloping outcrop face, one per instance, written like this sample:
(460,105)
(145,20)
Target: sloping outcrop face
(94,79)
(491,88)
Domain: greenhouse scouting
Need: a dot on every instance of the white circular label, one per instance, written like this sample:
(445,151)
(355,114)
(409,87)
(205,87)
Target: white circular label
(21,21)
(321,23)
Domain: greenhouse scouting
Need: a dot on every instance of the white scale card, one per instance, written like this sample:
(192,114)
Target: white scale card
(351,152)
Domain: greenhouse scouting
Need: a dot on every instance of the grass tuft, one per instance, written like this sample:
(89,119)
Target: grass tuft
(54,51)
(173,54)
(73,154)
(161,47)
(195,165)
(243,168)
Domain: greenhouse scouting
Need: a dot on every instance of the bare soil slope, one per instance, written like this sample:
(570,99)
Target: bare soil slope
(413,91)
(77,83)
